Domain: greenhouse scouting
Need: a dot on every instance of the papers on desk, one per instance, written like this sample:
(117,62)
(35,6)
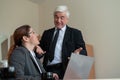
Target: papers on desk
(79,67)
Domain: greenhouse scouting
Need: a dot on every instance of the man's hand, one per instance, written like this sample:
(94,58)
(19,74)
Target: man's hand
(77,51)
(55,76)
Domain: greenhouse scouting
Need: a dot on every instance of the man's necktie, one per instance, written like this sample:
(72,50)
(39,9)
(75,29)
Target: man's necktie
(53,44)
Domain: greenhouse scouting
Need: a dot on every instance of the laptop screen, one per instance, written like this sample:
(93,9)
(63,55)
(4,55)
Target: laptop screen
(78,67)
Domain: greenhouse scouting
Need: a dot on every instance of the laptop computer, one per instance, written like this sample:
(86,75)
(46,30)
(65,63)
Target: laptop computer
(78,67)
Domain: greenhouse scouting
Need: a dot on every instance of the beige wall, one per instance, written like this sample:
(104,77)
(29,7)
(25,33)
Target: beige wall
(99,20)
(14,13)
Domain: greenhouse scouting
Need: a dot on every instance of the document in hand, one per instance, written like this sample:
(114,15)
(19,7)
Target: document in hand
(78,67)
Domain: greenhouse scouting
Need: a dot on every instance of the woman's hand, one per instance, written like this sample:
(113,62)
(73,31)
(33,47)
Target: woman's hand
(39,50)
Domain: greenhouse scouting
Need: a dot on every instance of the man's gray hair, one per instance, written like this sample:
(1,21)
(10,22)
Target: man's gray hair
(62,8)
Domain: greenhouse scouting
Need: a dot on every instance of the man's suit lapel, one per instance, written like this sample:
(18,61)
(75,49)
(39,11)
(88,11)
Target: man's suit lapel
(52,34)
(66,36)
(49,37)
(66,39)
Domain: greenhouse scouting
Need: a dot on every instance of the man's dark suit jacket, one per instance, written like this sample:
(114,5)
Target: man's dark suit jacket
(72,40)
(25,66)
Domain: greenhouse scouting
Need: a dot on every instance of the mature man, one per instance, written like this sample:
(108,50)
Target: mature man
(59,42)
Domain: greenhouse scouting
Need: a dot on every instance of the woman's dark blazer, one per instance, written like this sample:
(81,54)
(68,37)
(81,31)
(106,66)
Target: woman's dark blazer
(25,66)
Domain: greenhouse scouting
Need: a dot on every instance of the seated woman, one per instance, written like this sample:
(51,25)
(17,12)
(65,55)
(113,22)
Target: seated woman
(21,55)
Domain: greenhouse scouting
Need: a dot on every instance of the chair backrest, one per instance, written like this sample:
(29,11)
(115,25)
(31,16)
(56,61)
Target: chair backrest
(89,48)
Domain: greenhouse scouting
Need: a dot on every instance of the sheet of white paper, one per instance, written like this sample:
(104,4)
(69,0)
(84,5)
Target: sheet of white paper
(79,67)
